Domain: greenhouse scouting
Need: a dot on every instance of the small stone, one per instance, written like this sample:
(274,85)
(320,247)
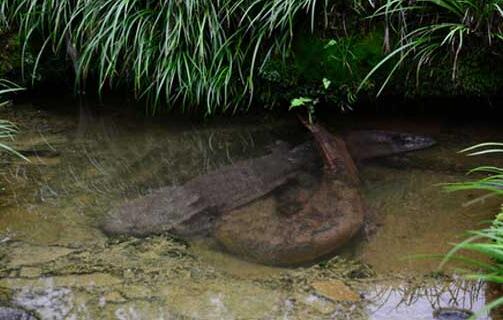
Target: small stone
(452,314)
(114,297)
(335,290)
(137,292)
(30,272)
(332,215)
(314,302)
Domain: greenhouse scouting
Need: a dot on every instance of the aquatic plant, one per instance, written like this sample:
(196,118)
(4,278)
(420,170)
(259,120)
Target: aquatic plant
(438,31)
(488,241)
(194,53)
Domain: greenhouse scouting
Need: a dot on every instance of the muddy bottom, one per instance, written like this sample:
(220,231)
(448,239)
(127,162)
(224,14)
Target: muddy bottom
(56,264)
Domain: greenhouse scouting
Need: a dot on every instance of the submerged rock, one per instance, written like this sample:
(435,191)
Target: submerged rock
(329,214)
(335,290)
(329,217)
(8,313)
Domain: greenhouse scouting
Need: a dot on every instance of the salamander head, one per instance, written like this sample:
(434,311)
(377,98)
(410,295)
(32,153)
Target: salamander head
(366,144)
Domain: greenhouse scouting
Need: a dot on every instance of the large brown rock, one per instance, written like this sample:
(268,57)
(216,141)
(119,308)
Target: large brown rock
(330,214)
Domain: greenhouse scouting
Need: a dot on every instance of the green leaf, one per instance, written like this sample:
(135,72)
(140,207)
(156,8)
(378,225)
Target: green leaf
(299,102)
(330,43)
(326,83)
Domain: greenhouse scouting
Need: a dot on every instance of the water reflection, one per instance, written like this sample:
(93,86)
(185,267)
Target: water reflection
(406,301)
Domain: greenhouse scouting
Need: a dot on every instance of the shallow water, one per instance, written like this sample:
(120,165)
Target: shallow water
(56,263)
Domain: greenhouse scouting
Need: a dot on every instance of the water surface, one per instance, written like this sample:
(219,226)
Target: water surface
(57,263)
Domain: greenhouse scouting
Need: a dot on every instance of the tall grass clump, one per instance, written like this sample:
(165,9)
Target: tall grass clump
(489,241)
(419,33)
(7,128)
(189,53)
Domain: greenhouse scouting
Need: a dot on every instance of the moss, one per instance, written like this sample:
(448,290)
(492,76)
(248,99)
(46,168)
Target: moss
(345,61)
(10,54)
(475,78)
(340,59)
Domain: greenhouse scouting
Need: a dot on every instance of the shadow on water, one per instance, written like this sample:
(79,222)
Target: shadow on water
(55,262)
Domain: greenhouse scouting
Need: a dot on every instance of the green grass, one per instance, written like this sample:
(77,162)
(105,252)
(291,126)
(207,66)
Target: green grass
(489,241)
(437,31)
(7,128)
(193,53)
